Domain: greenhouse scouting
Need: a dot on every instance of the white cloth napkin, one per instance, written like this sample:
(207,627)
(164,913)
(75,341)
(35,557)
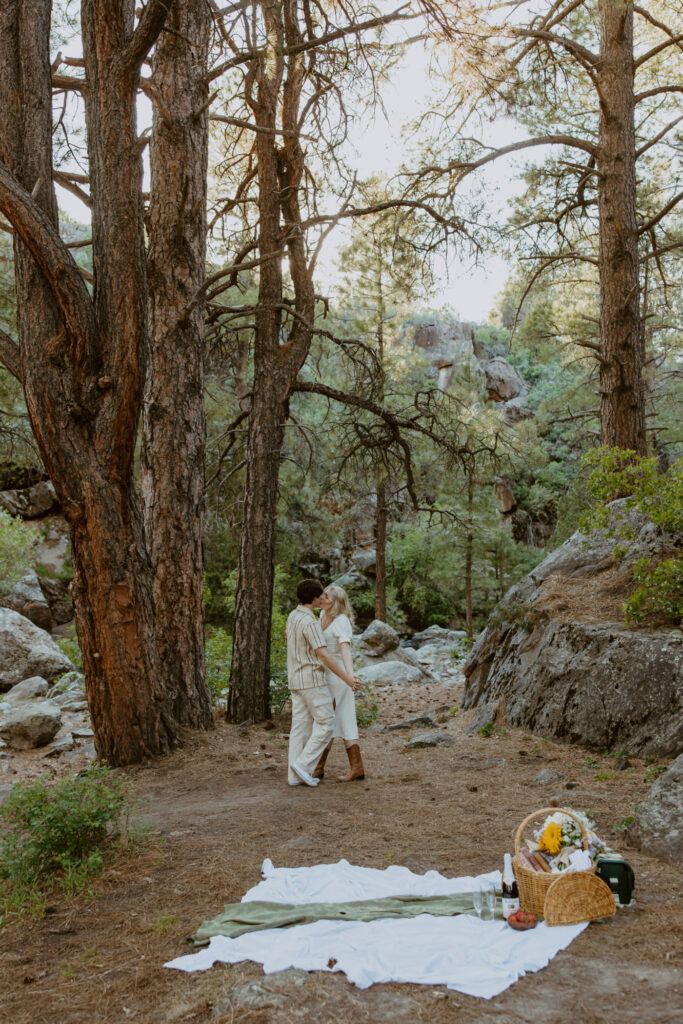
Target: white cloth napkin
(479,958)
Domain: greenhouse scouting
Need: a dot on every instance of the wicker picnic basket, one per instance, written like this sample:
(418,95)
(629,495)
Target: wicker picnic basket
(533,885)
(578,896)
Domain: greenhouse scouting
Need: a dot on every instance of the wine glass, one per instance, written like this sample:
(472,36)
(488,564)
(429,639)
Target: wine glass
(478,900)
(490,894)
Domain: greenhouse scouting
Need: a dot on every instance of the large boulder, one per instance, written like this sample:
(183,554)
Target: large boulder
(556,657)
(503,381)
(437,635)
(30,502)
(28,689)
(658,827)
(26,650)
(378,638)
(27,724)
(391,673)
(27,598)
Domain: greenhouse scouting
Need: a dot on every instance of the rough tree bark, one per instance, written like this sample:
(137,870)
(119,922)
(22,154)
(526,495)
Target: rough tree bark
(276,362)
(173,419)
(81,358)
(382,512)
(622,399)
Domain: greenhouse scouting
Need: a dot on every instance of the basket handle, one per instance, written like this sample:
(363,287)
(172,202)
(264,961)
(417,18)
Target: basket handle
(549,810)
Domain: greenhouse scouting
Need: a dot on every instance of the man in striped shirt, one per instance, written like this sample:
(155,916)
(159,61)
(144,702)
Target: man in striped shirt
(312,707)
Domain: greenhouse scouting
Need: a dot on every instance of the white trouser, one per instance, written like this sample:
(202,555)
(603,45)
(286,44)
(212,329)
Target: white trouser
(344,698)
(312,725)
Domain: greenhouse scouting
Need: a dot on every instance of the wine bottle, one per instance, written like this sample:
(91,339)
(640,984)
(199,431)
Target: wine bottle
(510,889)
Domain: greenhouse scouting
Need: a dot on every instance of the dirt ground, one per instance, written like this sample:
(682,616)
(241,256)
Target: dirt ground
(221,804)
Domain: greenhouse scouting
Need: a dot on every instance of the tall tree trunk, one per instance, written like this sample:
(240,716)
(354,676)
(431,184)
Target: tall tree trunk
(173,418)
(81,359)
(249,696)
(381,512)
(469,544)
(381,517)
(622,400)
(276,362)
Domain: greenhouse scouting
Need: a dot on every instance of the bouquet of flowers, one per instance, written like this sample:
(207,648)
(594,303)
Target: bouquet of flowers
(558,844)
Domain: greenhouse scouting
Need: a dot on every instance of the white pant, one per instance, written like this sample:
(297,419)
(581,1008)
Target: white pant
(345,724)
(312,725)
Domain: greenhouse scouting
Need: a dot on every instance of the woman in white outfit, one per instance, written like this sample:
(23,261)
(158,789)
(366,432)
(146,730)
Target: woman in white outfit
(336,622)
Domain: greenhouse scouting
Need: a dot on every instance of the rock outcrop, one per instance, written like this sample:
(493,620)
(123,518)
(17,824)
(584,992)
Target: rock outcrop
(30,502)
(658,827)
(381,644)
(27,598)
(26,650)
(30,723)
(556,657)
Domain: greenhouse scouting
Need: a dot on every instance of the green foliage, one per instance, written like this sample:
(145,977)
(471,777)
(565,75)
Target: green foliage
(218,660)
(620,473)
(367,711)
(72,649)
(219,643)
(16,545)
(659,590)
(58,834)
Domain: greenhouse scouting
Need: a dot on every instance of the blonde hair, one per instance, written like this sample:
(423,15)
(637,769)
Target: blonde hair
(340,603)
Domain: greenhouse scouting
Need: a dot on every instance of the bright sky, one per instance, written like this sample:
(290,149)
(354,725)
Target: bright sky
(469,290)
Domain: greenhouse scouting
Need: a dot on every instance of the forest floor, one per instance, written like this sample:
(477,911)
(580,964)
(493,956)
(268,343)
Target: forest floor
(220,805)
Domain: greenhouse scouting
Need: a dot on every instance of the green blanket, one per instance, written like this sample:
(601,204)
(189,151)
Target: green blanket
(238,918)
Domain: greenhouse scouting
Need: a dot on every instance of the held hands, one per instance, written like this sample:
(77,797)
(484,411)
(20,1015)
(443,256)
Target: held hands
(354,682)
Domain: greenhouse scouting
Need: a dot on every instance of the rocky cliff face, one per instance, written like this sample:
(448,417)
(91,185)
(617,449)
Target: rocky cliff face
(556,657)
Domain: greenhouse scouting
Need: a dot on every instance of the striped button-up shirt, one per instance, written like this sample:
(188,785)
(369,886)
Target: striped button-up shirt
(304,636)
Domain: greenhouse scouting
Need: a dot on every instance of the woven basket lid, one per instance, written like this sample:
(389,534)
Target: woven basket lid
(577,896)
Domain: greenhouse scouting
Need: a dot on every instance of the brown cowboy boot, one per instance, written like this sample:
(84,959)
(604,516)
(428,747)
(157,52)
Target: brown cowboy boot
(319,770)
(356,769)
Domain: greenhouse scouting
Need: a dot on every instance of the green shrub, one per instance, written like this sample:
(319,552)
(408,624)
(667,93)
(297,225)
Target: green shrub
(618,473)
(16,545)
(71,647)
(218,661)
(58,834)
(659,590)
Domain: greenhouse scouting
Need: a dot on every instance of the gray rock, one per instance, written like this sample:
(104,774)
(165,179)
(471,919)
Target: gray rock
(26,650)
(429,739)
(61,746)
(379,638)
(30,502)
(354,579)
(388,673)
(503,381)
(658,827)
(412,723)
(58,597)
(437,635)
(83,734)
(545,777)
(595,683)
(364,559)
(27,598)
(68,687)
(515,410)
(31,724)
(27,689)
(583,683)
(485,713)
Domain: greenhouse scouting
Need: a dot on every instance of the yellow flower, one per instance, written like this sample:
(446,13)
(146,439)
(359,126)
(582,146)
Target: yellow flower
(551,838)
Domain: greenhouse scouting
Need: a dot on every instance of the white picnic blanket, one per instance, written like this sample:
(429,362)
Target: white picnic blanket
(479,958)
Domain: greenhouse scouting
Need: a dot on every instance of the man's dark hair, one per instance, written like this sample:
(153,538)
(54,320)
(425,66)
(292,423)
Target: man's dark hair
(308,590)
